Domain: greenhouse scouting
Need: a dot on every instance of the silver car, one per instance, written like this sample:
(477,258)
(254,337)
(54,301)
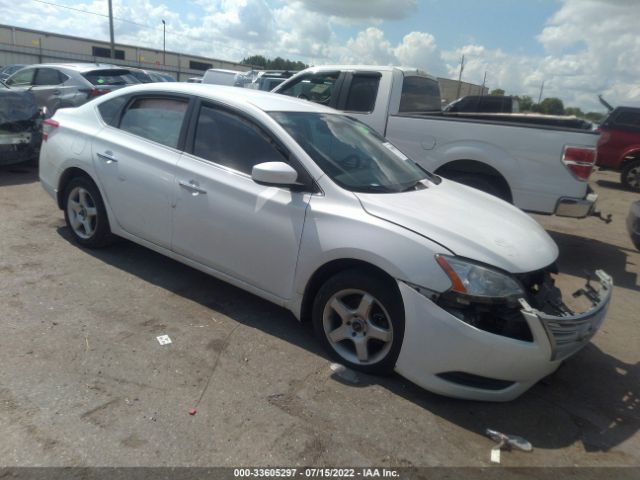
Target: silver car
(59,85)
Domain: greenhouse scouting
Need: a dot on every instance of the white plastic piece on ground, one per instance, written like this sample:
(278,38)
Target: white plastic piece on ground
(164,340)
(344,373)
(495,454)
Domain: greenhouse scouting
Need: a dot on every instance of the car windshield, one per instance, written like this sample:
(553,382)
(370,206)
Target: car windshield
(351,153)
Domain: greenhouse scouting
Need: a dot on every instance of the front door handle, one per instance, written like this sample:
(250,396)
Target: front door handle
(108,157)
(192,186)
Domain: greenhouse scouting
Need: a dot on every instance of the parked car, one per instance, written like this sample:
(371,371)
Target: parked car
(219,76)
(397,268)
(633,223)
(60,85)
(619,145)
(20,126)
(150,76)
(269,79)
(9,70)
(194,80)
(540,164)
(484,104)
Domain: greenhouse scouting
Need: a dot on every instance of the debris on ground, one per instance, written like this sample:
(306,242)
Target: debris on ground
(507,442)
(192,411)
(344,374)
(164,340)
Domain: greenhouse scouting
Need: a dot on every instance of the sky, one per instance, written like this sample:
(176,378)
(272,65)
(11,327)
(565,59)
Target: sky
(579,48)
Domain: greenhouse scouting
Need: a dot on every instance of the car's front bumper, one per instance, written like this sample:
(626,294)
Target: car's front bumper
(577,207)
(448,356)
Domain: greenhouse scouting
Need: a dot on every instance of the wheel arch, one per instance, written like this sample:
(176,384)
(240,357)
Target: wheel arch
(633,154)
(477,167)
(331,268)
(66,176)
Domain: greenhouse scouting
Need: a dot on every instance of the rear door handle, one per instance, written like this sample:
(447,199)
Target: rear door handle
(192,186)
(108,157)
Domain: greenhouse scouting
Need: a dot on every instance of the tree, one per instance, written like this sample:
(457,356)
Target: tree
(526,103)
(574,111)
(497,91)
(277,63)
(552,106)
(595,117)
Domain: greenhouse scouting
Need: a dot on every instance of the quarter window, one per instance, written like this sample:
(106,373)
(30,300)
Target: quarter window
(156,119)
(229,140)
(109,109)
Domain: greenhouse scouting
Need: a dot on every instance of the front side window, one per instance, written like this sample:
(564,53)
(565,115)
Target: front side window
(317,87)
(229,140)
(156,119)
(362,93)
(419,94)
(351,153)
(23,77)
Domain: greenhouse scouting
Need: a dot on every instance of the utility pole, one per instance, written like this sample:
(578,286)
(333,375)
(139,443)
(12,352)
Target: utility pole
(113,47)
(164,43)
(460,77)
(484,81)
(541,89)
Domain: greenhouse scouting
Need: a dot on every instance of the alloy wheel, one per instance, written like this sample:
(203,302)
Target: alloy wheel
(357,326)
(82,212)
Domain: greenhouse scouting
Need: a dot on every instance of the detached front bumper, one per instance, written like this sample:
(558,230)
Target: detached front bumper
(577,207)
(446,355)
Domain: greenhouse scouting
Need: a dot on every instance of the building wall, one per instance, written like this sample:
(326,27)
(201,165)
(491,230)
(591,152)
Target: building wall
(21,45)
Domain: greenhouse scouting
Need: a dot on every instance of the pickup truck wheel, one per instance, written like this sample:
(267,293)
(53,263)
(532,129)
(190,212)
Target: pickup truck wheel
(85,214)
(630,175)
(479,182)
(359,319)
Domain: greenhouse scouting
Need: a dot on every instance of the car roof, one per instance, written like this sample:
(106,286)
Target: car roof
(233,96)
(376,68)
(81,67)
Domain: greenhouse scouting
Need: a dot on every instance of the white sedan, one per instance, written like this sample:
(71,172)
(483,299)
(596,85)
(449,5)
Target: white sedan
(397,268)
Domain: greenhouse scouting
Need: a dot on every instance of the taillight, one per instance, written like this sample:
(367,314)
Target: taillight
(47,126)
(603,138)
(579,161)
(96,92)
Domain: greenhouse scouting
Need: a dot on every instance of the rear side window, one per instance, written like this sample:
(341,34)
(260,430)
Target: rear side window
(318,87)
(628,119)
(156,119)
(109,110)
(109,77)
(362,93)
(49,76)
(420,94)
(229,140)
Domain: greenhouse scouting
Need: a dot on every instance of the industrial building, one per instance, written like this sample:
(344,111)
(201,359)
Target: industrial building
(23,45)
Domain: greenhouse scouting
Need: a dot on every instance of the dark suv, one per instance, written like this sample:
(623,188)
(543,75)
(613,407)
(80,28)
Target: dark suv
(619,145)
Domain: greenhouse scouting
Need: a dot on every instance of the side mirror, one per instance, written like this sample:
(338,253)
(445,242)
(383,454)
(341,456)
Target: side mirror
(278,174)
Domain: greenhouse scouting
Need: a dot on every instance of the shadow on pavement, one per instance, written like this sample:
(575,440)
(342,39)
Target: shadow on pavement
(613,185)
(579,255)
(593,398)
(18,174)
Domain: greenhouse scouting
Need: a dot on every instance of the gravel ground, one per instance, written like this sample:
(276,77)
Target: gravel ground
(84,382)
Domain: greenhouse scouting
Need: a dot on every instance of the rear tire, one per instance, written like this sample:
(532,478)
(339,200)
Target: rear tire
(359,319)
(85,213)
(630,175)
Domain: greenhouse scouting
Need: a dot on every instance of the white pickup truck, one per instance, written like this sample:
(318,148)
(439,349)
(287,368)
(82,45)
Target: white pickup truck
(539,163)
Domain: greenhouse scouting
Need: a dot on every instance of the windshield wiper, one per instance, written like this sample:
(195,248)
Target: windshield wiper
(417,185)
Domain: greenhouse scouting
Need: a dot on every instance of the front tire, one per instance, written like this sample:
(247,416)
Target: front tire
(630,175)
(85,214)
(359,318)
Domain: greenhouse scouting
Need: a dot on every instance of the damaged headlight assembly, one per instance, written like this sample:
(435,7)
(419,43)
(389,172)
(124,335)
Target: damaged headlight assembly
(482,297)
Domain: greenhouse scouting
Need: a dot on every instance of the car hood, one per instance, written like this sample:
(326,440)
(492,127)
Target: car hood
(469,223)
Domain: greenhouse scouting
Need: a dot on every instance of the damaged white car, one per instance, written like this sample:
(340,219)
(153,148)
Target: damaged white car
(397,268)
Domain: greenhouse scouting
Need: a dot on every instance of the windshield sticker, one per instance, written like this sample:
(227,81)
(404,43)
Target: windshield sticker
(394,150)
(100,80)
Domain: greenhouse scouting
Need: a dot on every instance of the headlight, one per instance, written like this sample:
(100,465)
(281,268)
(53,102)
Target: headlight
(477,281)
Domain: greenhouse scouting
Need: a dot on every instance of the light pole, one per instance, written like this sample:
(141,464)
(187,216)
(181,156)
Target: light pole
(164,38)
(112,45)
